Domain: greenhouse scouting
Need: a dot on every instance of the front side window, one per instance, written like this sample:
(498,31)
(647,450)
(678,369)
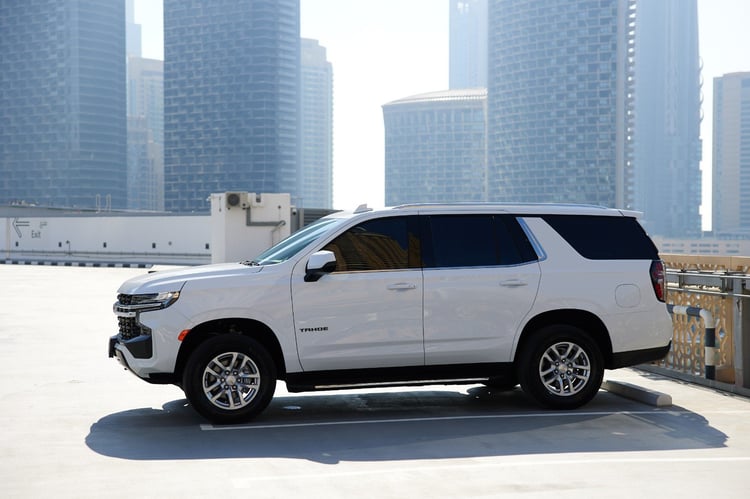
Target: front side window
(379,244)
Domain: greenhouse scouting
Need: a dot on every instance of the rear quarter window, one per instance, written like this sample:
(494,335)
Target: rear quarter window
(604,238)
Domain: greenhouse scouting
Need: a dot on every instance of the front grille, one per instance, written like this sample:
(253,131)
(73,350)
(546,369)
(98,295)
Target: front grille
(129,328)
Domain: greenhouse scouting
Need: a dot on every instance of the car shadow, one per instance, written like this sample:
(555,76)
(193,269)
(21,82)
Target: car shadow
(377,426)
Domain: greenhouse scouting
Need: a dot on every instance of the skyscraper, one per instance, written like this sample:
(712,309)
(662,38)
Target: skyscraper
(231,99)
(435,147)
(560,101)
(666,135)
(132,31)
(468,43)
(316,154)
(62,103)
(145,134)
(731,155)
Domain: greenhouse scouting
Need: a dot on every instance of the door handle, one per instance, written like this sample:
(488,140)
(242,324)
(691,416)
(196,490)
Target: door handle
(401,286)
(513,283)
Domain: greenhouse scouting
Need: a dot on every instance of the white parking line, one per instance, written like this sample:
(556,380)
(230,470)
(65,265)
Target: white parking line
(210,427)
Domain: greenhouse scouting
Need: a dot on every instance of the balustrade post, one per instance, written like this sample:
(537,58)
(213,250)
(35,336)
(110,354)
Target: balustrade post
(709,340)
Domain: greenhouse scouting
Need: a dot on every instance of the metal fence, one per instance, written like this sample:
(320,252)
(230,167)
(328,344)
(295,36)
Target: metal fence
(720,286)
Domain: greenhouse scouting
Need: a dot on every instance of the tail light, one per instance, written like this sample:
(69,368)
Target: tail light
(657,279)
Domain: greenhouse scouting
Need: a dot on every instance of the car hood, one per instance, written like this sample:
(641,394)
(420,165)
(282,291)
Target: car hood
(174,280)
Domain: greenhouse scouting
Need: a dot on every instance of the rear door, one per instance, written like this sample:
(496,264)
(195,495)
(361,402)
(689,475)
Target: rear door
(480,280)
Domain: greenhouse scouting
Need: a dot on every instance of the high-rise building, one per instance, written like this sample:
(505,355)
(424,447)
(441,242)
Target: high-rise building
(132,31)
(62,103)
(231,99)
(145,134)
(435,147)
(560,101)
(316,152)
(468,44)
(667,144)
(731,155)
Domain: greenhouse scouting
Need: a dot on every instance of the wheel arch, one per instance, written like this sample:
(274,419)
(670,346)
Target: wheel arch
(582,319)
(257,330)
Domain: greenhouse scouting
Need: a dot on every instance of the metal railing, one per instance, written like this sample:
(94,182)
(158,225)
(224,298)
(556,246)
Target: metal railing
(720,286)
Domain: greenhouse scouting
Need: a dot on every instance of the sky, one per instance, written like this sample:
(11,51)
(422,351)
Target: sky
(389,49)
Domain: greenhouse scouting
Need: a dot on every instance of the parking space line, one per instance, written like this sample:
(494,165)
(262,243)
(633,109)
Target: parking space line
(210,427)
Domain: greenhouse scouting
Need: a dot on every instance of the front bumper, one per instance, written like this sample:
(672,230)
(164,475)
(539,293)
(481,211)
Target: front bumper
(120,350)
(140,347)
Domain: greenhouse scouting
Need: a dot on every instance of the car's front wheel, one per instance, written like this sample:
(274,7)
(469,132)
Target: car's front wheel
(560,367)
(229,379)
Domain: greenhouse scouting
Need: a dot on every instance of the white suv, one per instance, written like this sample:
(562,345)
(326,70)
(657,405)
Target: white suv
(547,296)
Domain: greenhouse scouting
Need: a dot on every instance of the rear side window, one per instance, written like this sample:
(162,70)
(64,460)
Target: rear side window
(604,238)
(474,241)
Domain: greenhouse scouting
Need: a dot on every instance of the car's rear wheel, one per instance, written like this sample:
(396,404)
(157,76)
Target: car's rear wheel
(560,367)
(229,379)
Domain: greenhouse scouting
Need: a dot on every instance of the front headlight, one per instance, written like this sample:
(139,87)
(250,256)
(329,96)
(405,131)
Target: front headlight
(128,305)
(163,299)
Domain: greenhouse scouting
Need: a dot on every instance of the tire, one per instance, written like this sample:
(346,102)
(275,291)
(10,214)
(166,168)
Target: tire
(560,367)
(229,379)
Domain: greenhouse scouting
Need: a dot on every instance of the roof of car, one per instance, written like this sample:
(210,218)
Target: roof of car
(517,208)
(511,208)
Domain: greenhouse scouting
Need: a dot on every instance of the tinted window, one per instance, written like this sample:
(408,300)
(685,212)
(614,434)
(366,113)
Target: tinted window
(475,241)
(462,241)
(380,244)
(604,238)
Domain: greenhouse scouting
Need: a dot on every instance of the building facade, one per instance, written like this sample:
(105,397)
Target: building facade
(667,140)
(316,151)
(435,148)
(731,155)
(231,99)
(62,103)
(468,44)
(145,134)
(560,101)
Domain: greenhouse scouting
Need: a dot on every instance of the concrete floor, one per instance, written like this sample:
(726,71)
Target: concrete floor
(74,424)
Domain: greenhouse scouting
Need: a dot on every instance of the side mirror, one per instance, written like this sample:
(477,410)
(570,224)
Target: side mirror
(319,264)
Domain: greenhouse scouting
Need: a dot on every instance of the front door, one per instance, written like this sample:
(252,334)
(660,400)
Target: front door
(368,312)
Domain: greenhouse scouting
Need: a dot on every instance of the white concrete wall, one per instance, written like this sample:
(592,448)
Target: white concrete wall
(229,234)
(181,239)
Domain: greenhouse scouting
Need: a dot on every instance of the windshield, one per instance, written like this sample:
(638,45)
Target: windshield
(296,242)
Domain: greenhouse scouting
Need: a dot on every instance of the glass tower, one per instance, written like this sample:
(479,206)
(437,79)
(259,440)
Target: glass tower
(731,155)
(435,147)
(468,43)
(560,101)
(316,157)
(62,103)
(667,118)
(231,99)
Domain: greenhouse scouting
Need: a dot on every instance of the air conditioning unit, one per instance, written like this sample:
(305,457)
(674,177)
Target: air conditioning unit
(237,200)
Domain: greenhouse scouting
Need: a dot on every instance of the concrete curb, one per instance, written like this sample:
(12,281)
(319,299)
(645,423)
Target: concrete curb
(72,263)
(638,393)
